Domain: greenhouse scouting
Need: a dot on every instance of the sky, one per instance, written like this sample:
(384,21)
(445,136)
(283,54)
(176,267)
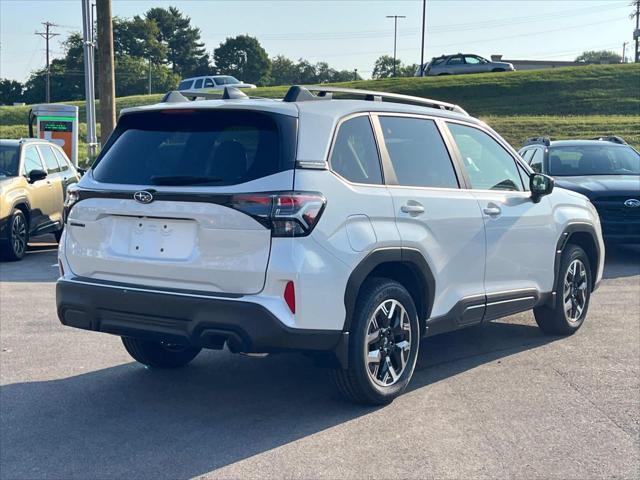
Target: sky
(348,34)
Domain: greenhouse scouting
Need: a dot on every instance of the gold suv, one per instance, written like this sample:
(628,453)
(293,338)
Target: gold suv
(34,176)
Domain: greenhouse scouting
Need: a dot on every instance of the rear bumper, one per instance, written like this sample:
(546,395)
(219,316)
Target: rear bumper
(196,320)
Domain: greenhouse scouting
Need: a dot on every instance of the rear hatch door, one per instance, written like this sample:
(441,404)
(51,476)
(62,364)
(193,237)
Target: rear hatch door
(157,209)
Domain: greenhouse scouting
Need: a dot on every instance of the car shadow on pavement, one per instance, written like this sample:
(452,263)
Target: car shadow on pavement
(128,421)
(622,261)
(40,264)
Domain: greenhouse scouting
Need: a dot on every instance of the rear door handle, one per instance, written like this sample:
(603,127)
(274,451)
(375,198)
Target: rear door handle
(492,210)
(413,209)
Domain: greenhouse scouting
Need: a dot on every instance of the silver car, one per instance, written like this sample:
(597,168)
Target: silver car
(463,63)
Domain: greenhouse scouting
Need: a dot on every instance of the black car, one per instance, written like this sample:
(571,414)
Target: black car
(604,169)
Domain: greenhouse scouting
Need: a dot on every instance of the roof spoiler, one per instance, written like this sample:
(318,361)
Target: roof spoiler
(229,93)
(546,141)
(612,139)
(298,93)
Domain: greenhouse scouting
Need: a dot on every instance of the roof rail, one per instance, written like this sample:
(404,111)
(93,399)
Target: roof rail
(229,93)
(546,141)
(298,93)
(612,139)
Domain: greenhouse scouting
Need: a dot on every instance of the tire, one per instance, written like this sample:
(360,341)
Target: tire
(571,302)
(58,235)
(371,382)
(159,355)
(15,247)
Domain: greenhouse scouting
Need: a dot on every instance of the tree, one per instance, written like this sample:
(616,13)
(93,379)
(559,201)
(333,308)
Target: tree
(10,91)
(243,57)
(383,68)
(132,77)
(185,51)
(599,56)
(283,71)
(138,37)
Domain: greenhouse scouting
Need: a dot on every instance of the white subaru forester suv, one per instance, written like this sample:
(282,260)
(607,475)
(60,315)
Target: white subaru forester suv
(341,223)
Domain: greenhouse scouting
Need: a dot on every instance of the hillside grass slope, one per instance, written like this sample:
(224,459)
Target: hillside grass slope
(575,102)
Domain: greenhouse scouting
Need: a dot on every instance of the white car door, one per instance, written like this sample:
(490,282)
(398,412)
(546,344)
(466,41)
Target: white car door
(434,215)
(520,233)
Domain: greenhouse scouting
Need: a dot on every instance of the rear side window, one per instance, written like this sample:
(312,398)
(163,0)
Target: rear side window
(49,159)
(418,153)
(62,160)
(185,85)
(198,83)
(355,156)
(197,147)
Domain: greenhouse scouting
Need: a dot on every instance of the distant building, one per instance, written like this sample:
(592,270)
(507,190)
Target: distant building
(537,64)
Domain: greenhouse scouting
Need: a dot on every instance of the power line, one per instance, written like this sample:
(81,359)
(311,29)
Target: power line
(47,35)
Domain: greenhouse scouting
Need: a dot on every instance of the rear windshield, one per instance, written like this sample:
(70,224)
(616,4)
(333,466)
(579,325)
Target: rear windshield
(197,147)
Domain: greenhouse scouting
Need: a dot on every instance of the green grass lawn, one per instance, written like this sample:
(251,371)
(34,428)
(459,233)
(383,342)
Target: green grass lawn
(576,102)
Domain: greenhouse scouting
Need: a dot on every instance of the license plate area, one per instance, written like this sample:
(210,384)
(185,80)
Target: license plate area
(154,238)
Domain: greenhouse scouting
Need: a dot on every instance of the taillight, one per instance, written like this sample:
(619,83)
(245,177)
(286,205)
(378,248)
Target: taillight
(290,296)
(290,214)
(70,200)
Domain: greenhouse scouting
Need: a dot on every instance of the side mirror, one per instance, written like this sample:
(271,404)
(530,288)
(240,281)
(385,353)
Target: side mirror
(540,185)
(37,174)
(81,171)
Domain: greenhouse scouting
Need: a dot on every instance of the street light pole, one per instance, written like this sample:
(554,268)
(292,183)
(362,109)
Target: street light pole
(395,38)
(424,27)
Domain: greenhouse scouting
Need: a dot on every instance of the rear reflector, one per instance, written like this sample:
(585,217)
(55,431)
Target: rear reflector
(290,296)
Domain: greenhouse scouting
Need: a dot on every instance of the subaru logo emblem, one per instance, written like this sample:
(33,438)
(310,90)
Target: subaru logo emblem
(632,203)
(143,197)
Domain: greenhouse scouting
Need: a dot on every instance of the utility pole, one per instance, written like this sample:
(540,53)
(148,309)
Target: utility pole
(106,80)
(149,75)
(624,52)
(424,27)
(636,33)
(355,74)
(47,35)
(89,75)
(395,38)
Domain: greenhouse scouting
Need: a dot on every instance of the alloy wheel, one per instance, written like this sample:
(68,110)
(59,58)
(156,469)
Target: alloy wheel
(388,343)
(575,290)
(18,235)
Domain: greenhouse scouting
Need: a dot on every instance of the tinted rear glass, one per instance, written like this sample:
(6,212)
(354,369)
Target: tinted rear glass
(223,147)
(9,160)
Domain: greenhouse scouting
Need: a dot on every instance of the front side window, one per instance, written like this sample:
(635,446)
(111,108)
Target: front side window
(197,147)
(488,165)
(354,155)
(49,159)
(536,160)
(471,60)
(593,160)
(208,83)
(31,160)
(9,160)
(418,153)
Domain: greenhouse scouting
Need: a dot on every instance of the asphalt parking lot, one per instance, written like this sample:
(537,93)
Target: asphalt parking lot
(499,401)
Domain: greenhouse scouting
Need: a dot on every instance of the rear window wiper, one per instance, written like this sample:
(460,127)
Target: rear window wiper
(183,180)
